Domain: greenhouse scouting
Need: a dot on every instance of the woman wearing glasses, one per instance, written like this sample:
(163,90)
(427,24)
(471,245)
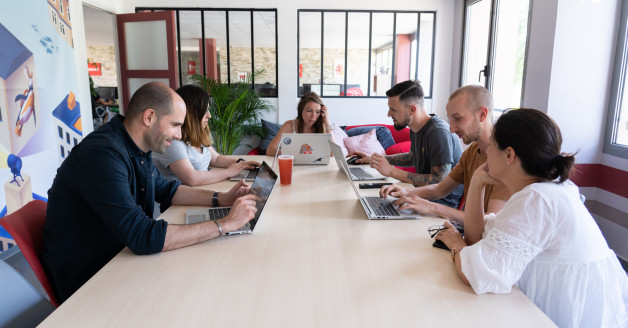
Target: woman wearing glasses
(544,240)
(189,158)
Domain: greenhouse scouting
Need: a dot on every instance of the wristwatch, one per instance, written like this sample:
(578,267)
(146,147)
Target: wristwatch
(330,127)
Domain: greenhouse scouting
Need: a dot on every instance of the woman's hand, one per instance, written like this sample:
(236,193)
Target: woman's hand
(481,175)
(325,115)
(235,169)
(251,164)
(451,237)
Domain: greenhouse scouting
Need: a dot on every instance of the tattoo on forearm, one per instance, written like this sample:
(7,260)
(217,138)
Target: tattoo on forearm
(404,159)
(437,175)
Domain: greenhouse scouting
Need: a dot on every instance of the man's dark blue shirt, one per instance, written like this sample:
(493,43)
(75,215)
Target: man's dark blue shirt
(102,200)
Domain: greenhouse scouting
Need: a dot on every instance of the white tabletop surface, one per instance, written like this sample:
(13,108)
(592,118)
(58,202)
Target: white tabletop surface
(314,260)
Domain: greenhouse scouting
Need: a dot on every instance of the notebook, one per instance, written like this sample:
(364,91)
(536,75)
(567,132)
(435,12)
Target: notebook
(262,187)
(382,208)
(353,173)
(307,148)
(246,175)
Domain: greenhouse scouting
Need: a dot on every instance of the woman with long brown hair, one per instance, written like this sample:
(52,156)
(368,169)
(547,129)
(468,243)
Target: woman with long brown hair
(190,158)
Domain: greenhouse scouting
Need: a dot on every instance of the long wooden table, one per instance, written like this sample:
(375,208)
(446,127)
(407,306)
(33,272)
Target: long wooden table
(314,260)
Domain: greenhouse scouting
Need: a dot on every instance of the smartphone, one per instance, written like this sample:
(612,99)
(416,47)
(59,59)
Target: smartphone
(440,244)
(373,185)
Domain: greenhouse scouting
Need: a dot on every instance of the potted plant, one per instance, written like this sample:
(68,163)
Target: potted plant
(236,110)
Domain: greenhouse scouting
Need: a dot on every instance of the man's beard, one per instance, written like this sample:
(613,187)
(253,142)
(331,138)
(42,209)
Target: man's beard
(401,126)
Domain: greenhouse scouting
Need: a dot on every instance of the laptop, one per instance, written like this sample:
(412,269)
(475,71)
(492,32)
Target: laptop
(353,173)
(307,148)
(377,208)
(262,186)
(246,175)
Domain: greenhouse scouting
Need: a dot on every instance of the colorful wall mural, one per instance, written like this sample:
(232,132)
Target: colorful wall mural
(40,119)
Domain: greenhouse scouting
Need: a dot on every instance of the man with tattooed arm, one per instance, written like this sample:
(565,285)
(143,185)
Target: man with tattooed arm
(434,151)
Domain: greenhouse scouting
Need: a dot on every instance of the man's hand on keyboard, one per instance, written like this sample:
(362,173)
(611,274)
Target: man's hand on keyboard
(417,204)
(229,197)
(242,211)
(392,190)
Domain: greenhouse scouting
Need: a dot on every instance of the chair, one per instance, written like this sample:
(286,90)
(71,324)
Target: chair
(26,226)
(22,304)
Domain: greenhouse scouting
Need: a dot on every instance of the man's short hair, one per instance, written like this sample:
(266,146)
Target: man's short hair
(155,95)
(409,91)
(478,96)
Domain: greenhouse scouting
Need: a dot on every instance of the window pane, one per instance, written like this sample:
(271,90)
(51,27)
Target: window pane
(309,52)
(190,29)
(358,54)
(476,42)
(426,42)
(510,49)
(381,53)
(264,51)
(334,54)
(621,127)
(405,57)
(240,45)
(216,45)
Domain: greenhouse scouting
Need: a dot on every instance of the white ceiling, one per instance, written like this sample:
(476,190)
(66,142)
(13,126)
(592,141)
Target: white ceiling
(98,27)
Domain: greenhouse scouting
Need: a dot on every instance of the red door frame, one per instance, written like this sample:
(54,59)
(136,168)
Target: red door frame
(171,73)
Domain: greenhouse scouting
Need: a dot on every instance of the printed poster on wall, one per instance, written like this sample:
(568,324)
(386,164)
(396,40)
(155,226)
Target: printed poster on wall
(40,119)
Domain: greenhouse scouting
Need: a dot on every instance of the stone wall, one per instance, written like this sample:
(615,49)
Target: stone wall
(357,66)
(105,55)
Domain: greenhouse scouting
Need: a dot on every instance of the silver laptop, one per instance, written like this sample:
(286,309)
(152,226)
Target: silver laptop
(307,148)
(262,186)
(382,208)
(353,173)
(246,175)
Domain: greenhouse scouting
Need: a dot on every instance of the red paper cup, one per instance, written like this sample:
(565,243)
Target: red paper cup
(285,168)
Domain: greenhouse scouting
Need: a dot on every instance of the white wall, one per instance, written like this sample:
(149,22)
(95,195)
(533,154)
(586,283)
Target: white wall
(584,48)
(343,111)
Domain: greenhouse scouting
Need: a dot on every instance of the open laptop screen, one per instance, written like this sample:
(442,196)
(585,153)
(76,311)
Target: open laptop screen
(262,186)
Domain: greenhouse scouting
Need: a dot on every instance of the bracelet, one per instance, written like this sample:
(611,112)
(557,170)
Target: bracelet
(453,254)
(240,160)
(219,227)
(330,128)
(215,199)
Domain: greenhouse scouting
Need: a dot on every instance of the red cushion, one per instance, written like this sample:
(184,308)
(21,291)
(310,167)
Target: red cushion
(254,151)
(409,169)
(398,136)
(398,148)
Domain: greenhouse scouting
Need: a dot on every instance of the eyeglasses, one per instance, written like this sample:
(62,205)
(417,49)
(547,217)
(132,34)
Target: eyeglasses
(433,230)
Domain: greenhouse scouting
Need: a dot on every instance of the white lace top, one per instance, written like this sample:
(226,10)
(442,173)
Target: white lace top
(546,243)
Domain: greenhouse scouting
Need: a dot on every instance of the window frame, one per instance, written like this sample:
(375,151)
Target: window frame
(228,46)
(394,46)
(487,72)
(620,67)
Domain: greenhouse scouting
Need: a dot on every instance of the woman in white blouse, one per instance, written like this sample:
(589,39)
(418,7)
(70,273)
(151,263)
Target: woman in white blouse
(189,159)
(544,241)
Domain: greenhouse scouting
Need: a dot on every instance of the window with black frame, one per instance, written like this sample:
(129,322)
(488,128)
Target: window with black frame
(227,45)
(344,53)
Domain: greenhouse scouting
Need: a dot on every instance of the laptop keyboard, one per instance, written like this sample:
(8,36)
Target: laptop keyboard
(251,174)
(218,213)
(382,206)
(360,173)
